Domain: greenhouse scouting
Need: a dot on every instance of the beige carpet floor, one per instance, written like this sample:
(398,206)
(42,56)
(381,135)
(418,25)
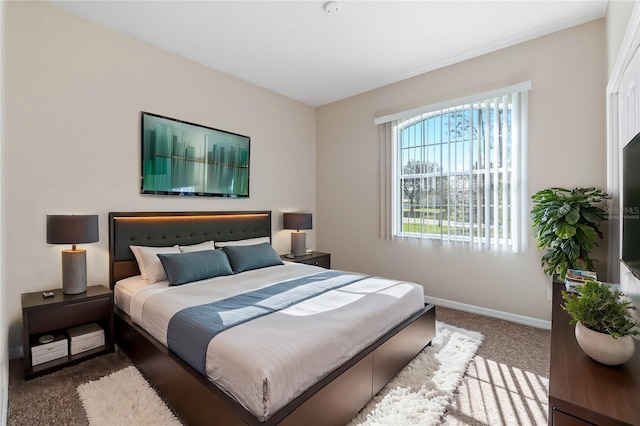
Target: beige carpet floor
(505,385)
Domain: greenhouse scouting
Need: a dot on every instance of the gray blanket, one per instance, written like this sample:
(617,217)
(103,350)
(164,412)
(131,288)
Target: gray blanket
(191,329)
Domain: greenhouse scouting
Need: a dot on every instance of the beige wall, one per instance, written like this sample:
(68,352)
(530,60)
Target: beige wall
(73,96)
(617,19)
(4,343)
(567,147)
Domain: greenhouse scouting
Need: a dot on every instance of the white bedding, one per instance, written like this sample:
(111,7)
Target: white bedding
(126,289)
(267,362)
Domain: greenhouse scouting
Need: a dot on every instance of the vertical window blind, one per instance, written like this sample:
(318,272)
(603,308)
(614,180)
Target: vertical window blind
(455,172)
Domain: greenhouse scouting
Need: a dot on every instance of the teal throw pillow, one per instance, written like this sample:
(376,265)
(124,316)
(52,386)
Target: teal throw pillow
(182,268)
(246,258)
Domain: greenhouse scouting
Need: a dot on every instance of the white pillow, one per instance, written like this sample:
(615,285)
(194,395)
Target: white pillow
(149,263)
(206,245)
(247,242)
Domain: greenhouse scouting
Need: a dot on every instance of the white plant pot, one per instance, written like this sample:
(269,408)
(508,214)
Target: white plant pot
(604,348)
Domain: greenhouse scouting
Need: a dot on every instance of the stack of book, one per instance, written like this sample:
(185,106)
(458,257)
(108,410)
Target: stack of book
(575,277)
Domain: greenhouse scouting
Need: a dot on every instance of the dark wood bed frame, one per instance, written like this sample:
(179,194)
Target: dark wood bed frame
(334,400)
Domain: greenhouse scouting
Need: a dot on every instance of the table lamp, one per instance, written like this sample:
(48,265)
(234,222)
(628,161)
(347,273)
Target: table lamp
(73,229)
(298,221)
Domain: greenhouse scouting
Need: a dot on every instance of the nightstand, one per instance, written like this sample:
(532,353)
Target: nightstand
(316,258)
(54,315)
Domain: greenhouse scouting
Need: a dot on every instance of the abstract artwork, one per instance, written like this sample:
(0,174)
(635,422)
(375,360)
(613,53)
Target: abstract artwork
(182,158)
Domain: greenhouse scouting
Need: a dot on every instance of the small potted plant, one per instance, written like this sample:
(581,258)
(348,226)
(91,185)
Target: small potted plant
(603,320)
(567,224)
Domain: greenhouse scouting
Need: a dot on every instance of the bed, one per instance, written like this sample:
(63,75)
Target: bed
(268,369)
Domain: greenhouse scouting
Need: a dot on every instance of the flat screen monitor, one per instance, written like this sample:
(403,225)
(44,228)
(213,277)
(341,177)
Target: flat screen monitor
(631,205)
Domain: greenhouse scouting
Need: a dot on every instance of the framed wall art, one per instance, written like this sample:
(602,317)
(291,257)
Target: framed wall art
(182,158)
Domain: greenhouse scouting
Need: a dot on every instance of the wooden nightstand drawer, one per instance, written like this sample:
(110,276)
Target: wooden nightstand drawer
(324,262)
(315,258)
(74,313)
(563,419)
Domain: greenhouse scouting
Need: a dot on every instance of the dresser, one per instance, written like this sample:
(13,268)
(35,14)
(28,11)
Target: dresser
(582,391)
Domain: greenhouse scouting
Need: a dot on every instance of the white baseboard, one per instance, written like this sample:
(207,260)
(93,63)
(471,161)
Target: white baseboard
(520,319)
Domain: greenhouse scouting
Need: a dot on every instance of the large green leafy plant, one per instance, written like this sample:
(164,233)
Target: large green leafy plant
(600,309)
(566,223)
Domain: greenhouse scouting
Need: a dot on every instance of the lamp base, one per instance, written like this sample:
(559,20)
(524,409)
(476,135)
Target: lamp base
(298,243)
(74,271)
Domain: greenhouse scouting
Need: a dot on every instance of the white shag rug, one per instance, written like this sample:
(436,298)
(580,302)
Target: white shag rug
(418,395)
(124,398)
(421,392)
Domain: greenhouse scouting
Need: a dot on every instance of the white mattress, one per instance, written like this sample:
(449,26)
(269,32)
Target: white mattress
(267,362)
(125,290)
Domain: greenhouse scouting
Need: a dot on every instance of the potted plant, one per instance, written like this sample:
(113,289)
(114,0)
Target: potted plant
(603,320)
(566,223)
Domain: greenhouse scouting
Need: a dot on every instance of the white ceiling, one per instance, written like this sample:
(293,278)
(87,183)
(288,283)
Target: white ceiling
(298,50)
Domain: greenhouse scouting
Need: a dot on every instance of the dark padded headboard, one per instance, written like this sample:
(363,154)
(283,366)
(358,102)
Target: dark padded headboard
(159,229)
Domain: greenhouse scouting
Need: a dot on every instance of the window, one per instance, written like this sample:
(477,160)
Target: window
(457,170)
